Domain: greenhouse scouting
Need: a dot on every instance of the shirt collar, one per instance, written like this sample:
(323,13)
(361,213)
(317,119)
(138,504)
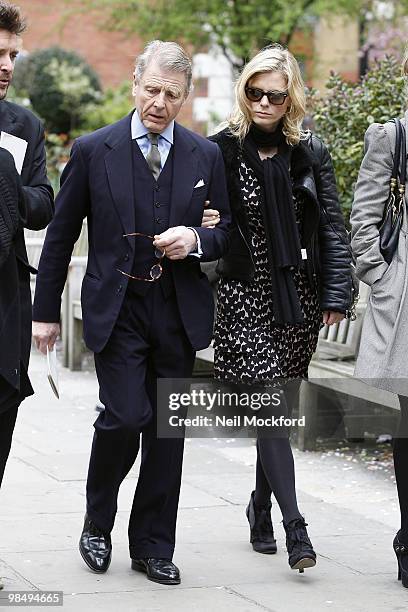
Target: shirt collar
(139,130)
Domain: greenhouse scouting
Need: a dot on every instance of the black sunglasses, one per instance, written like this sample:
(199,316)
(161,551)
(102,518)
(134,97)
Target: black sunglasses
(274,97)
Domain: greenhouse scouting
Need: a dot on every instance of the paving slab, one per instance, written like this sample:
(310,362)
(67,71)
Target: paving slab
(352,516)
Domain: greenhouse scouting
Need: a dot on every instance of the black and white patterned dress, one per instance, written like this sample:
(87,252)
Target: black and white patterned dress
(249,347)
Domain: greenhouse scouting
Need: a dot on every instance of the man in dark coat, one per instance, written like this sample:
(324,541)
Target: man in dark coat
(146,306)
(29,200)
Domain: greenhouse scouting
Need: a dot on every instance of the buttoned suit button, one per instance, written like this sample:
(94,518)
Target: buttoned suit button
(126,257)
(158,220)
(157,205)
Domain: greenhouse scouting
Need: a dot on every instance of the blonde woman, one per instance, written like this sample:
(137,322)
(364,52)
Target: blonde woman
(287,270)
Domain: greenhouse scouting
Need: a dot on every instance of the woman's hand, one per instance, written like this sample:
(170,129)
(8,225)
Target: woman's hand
(210,217)
(330,317)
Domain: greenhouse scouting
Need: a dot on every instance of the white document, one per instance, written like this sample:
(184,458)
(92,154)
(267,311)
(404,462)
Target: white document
(16,146)
(53,370)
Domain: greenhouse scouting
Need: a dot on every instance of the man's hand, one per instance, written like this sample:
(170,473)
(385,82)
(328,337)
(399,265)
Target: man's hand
(45,334)
(330,317)
(210,217)
(177,242)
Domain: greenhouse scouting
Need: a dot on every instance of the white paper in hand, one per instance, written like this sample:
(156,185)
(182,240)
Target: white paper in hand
(53,370)
(16,146)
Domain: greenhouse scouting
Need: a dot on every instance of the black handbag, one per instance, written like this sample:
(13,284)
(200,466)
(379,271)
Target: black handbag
(391,223)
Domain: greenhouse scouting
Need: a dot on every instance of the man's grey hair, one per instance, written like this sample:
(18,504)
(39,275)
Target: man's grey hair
(170,56)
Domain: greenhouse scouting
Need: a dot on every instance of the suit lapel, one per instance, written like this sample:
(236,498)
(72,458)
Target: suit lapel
(119,169)
(9,119)
(185,162)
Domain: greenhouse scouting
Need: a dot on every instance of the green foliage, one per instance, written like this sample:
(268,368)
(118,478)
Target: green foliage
(57,148)
(60,85)
(238,27)
(115,104)
(18,97)
(344,115)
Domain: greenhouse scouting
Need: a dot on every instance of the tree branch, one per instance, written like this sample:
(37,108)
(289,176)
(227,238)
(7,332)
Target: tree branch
(295,23)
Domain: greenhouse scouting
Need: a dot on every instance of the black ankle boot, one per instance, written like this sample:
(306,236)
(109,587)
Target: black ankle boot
(261,529)
(401,552)
(299,546)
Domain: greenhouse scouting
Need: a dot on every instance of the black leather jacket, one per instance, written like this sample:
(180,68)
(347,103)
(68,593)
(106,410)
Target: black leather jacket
(323,232)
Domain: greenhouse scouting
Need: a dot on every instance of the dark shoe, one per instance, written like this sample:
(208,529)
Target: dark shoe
(95,547)
(401,552)
(162,571)
(299,546)
(1,584)
(261,529)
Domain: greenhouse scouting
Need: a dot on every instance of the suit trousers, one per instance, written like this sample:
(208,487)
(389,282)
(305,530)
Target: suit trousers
(10,400)
(7,423)
(148,342)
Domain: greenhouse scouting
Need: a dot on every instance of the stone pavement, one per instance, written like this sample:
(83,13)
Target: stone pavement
(352,516)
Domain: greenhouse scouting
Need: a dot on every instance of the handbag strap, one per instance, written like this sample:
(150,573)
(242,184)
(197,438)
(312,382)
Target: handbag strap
(403,144)
(397,152)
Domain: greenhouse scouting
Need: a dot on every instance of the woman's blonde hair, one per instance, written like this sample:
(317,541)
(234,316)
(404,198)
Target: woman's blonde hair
(273,58)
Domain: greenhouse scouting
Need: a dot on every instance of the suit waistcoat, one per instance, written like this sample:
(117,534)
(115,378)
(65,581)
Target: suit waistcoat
(152,213)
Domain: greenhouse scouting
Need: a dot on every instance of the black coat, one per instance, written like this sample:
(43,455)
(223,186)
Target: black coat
(15,294)
(323,232)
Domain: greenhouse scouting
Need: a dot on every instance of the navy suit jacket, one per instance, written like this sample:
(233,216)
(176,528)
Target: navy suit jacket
(97,183)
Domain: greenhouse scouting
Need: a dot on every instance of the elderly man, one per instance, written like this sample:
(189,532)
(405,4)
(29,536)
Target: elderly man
(142,183)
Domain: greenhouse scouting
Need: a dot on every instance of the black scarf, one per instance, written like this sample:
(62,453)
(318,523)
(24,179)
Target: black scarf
(283,242)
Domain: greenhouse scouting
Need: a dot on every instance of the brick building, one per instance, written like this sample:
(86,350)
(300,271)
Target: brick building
(332,45)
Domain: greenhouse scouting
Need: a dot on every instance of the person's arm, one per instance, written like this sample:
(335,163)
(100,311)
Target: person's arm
(71,207)
(214,240)
(335,256)
(371,193)
(37,191)
(182,241)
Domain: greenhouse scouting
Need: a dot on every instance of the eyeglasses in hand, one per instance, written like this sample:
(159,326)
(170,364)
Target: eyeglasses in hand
(156,270)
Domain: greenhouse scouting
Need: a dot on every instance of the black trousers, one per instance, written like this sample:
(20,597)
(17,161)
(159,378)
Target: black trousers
(400,452)
(10,399)
(7,423)
(147,343)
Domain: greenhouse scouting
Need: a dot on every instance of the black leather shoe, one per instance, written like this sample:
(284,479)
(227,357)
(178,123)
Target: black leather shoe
(162,571)
(95,547)
(299,546)
(401,551)
(261,529)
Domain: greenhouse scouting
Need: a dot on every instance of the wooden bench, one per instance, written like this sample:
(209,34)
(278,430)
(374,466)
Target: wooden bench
(71,314)
(336,343)
(331,383)
(332,387)
(34,241)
